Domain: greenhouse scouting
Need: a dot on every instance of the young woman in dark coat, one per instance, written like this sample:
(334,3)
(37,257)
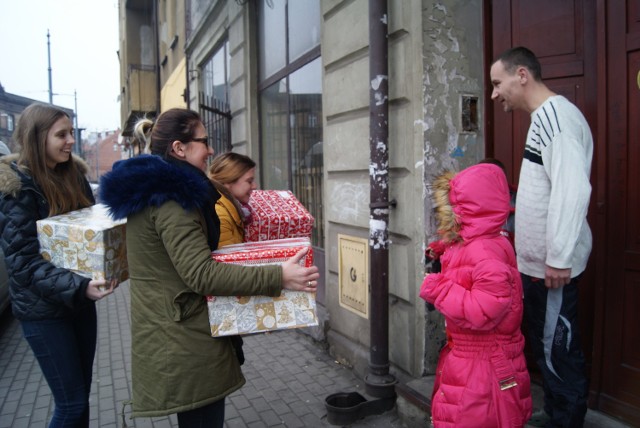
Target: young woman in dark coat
(56,307)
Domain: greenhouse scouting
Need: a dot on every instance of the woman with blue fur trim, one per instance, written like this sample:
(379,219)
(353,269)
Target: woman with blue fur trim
(172,227)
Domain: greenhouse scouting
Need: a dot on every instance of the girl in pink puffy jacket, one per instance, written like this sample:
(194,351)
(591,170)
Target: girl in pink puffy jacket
(482,379)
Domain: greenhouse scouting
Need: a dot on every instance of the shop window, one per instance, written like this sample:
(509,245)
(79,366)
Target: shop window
(290,70)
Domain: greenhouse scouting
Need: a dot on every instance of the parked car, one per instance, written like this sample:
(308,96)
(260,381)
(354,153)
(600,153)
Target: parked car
(4,285)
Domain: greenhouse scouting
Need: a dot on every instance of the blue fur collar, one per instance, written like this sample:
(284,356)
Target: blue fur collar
(149,180)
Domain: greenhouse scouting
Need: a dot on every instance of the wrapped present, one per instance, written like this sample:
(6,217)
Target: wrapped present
(277,214)
(86,241)
(231,315)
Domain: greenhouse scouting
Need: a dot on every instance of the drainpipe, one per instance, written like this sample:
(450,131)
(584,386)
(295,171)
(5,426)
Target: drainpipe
(379,382)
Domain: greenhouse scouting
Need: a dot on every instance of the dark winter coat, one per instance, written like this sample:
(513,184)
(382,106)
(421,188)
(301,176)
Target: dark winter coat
(176,365)
(38,289)
(482,378)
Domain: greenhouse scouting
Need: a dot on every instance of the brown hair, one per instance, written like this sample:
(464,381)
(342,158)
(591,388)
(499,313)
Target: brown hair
(521,56)
(228,168)
(174,124)
(64,186)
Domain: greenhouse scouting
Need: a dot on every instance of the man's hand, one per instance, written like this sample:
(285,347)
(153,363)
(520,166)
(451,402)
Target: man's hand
(556,278)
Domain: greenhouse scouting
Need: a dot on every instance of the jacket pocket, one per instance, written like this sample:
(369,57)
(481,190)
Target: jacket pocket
(187,304)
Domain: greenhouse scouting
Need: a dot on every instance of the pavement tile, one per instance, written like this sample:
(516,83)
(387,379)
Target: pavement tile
(249,415)
(239,401)
(299,408)
(270,418)
(21,423)
(40,416)
(250,392)
(230,411)
(235,423)
(290,420)
(288,377)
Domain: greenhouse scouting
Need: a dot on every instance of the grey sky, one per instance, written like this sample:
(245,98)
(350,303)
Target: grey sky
(84,45)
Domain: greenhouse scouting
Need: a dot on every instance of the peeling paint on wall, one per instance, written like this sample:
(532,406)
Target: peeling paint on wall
(380,175)
(380,97)
(452,54)
(377,234)
(447,75)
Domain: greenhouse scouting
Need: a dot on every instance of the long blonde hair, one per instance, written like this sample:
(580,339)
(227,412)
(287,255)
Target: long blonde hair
(64,186)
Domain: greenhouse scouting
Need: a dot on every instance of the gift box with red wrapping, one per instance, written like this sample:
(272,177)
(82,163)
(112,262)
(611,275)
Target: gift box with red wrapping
(277,214)
(230,315)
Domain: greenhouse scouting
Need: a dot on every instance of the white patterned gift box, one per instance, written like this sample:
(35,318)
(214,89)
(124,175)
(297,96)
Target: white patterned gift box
(231,315)
(277,214)
(86,241)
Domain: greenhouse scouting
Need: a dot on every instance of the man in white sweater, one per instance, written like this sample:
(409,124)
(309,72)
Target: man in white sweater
(553,239)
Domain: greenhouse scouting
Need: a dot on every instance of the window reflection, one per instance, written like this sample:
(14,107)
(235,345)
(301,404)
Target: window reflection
(305,99)
(291,108)
(274,156)
(304,23)
(272,35)
(215,72)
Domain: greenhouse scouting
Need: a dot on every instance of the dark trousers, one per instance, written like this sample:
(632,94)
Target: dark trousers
(65,349)
(552,316)
(210,416)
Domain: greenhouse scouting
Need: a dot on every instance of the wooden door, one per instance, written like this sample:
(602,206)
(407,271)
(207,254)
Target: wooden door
(561,34)
(620,386)
(590,53)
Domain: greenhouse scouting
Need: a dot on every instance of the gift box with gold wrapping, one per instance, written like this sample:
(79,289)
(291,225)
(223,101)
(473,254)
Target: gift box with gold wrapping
(86,241)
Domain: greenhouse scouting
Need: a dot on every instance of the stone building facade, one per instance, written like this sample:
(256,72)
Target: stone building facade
(288,83)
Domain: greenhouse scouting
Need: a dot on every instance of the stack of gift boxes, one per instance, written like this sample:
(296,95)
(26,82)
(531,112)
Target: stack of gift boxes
(90,243)
(280,227)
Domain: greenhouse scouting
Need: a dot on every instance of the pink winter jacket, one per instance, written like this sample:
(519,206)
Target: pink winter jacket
(482,379)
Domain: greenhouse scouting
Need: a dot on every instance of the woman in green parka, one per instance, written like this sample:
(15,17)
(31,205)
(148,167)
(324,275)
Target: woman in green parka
(172,227)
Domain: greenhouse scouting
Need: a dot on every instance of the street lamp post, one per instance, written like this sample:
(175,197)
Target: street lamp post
(49,69)
(78,137)
(77,132)
(98,161)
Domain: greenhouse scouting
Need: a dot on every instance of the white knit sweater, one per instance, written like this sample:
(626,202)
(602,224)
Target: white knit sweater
(554,191)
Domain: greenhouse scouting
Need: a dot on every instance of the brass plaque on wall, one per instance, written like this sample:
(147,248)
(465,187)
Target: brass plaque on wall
(353,274)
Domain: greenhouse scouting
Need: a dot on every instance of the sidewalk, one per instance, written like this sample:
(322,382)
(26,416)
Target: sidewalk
(288,379)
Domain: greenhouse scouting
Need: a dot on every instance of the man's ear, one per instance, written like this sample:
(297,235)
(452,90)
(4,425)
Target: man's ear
(523,74)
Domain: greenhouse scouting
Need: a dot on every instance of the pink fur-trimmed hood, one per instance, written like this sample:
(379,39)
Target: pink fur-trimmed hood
(472,203)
